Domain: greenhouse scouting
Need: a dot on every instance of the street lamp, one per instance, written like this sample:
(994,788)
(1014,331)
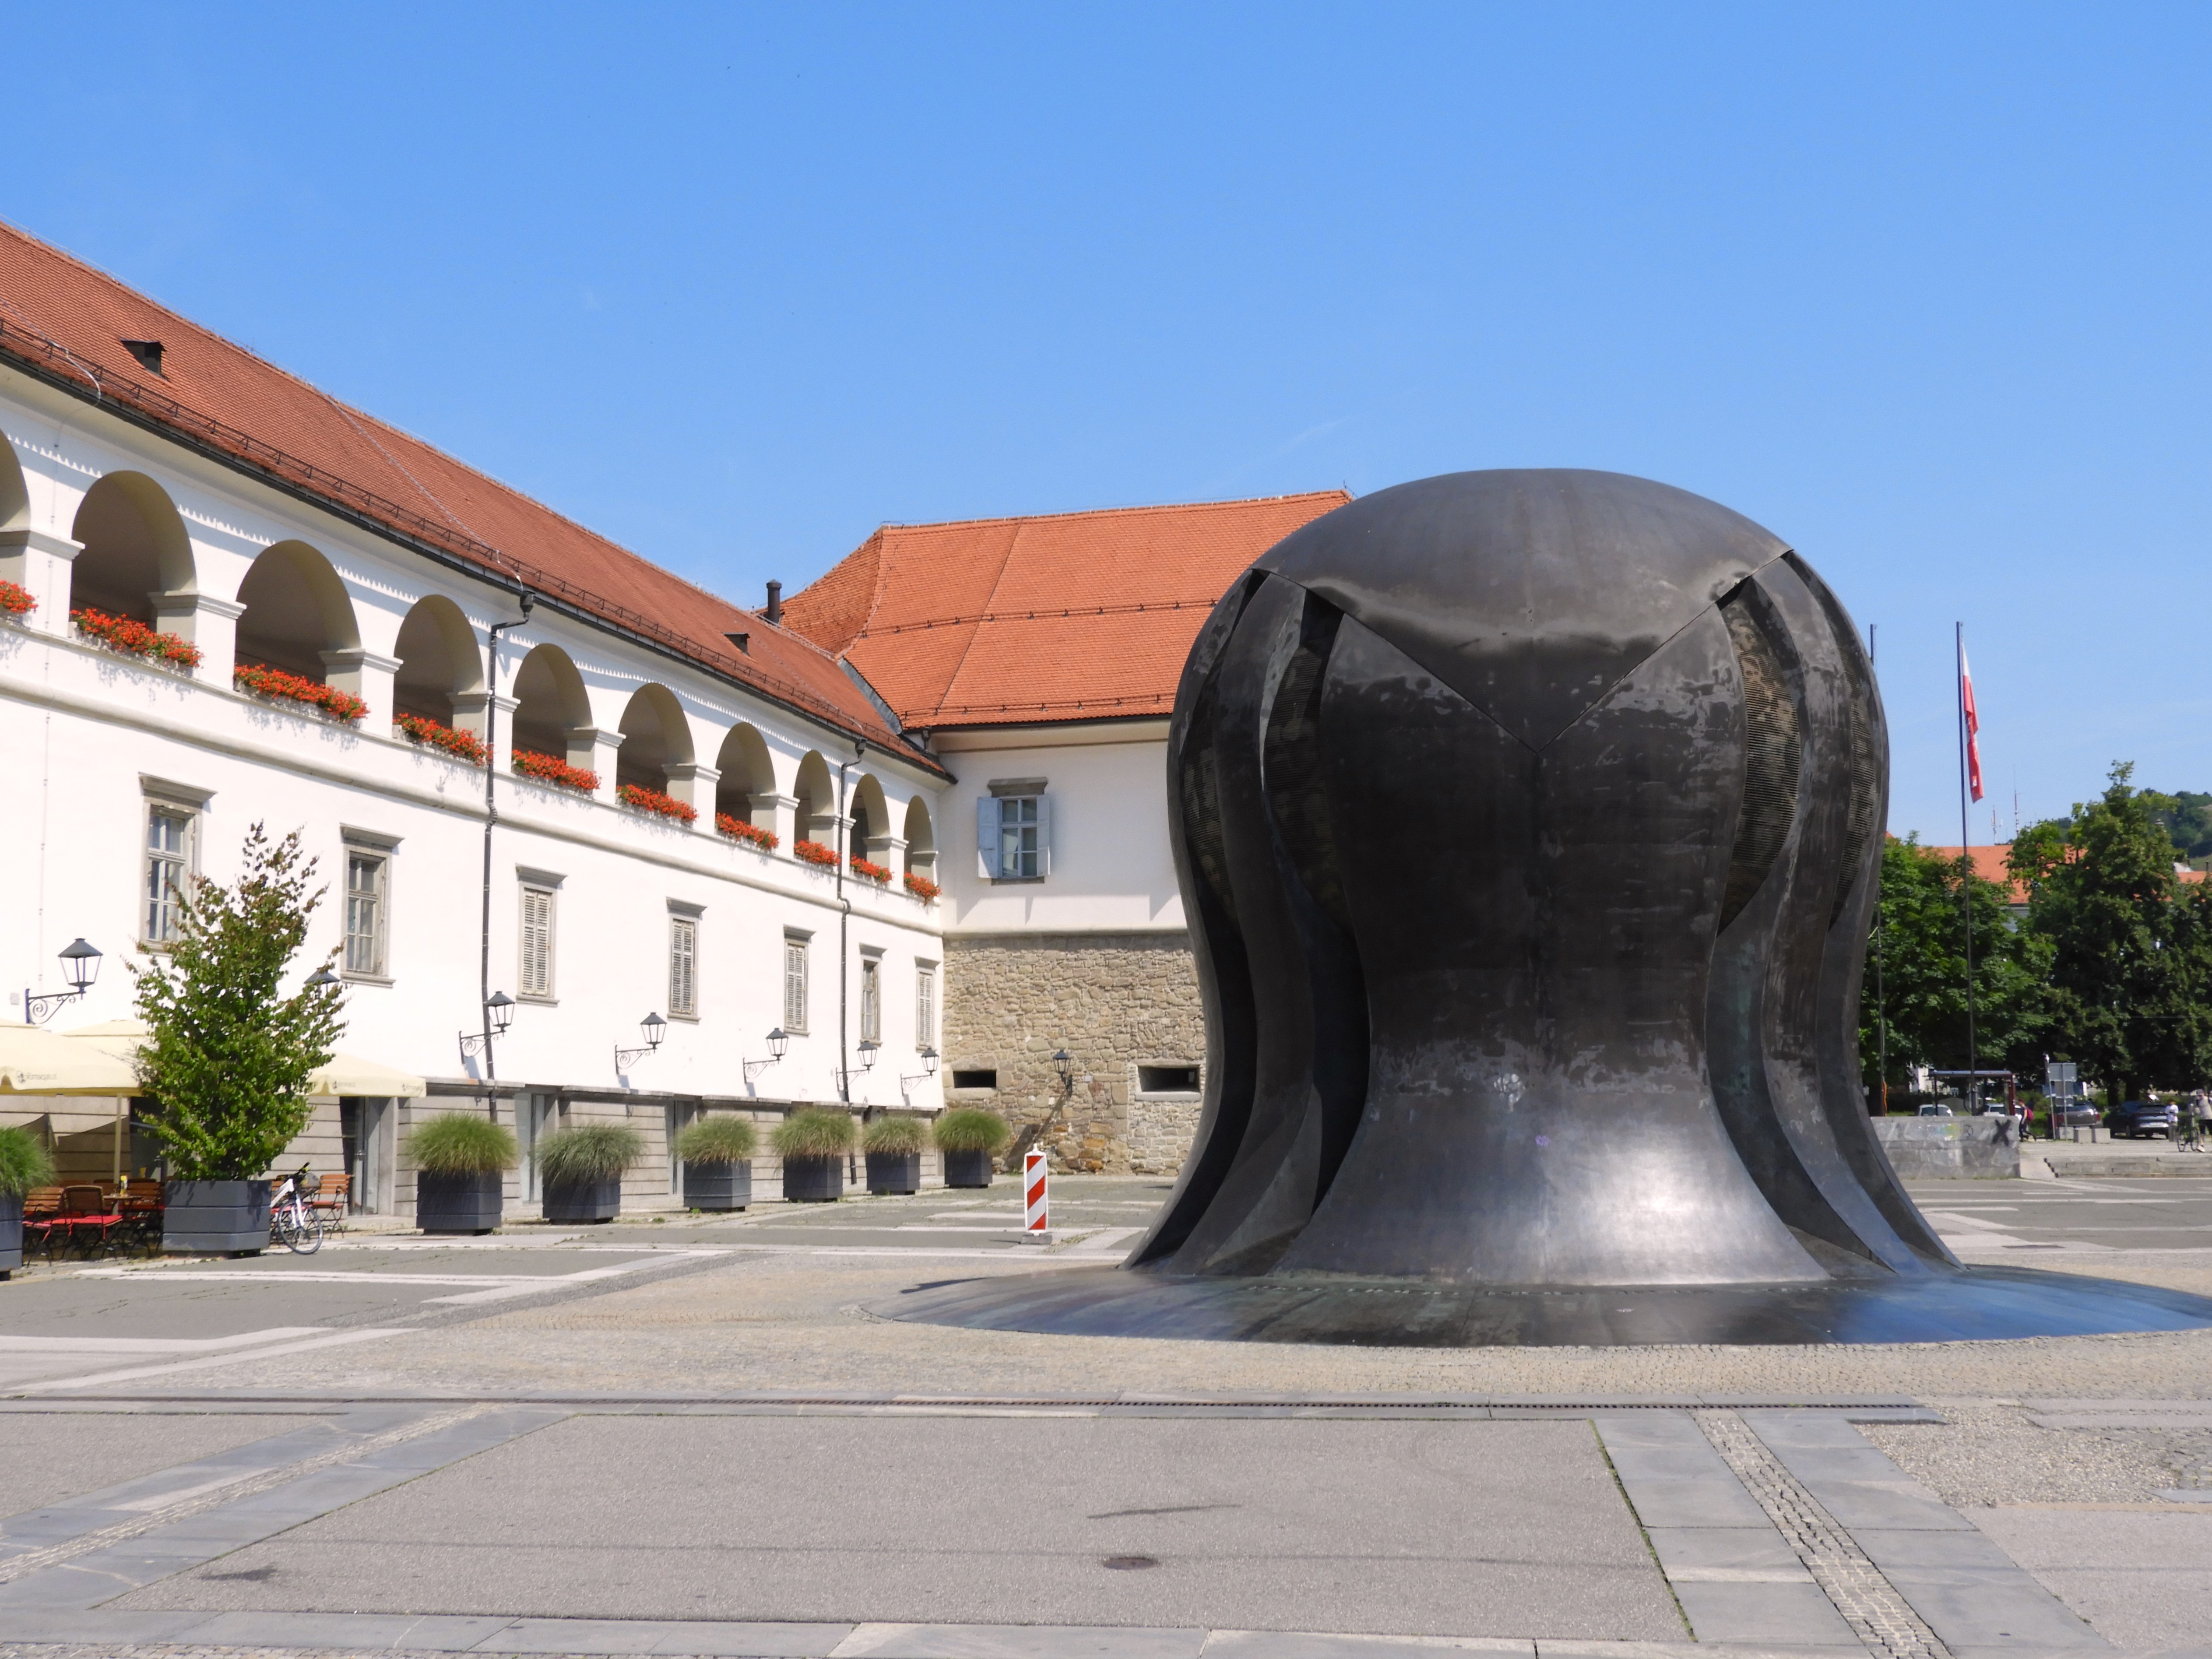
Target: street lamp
(80,967)
(1064,1063)
(499,1007)
(777,1043)
(321,977)
(654,1029)
(868,1048)
(928,1071)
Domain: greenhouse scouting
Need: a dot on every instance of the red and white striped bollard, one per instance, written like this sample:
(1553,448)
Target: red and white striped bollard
(1037,1217)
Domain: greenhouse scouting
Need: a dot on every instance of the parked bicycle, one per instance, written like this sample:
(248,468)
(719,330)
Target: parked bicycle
(293,1222)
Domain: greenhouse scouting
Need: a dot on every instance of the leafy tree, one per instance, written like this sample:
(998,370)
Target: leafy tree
(226,1058)
(1921,936)
(2131,946)
(2187,820)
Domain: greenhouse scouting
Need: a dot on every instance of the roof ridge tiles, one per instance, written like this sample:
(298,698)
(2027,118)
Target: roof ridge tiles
(1107,512)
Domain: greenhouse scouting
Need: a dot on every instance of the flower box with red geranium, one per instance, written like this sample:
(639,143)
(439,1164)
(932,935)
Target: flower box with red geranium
(16,600)
(749,834)
(427,733)
(922,888)
(529,763)
(640,798)
(135,639)
(263,681)
(867,872)
(813,852)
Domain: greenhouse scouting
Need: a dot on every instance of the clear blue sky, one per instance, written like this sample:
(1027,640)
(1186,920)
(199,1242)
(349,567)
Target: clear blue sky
(1922,288)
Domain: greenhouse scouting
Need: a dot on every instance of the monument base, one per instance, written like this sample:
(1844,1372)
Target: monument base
(1977,1305)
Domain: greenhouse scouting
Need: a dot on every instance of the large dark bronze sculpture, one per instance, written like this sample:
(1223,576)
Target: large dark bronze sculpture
(1528,823)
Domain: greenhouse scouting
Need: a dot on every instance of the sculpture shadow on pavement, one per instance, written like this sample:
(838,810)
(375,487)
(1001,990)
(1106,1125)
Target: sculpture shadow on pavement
(1527,824)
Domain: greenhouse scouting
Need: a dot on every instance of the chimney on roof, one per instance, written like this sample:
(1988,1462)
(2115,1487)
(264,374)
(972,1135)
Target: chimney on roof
(774,614)
(147,352)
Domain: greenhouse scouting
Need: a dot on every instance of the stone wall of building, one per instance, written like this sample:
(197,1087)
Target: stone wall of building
(1115,1002)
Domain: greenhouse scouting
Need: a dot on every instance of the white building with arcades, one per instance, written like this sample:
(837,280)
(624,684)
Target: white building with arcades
(208,558)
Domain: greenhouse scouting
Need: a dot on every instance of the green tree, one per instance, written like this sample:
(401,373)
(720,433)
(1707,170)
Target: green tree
(227,1059)
(1920,934)
(2187,817)
(2130,947)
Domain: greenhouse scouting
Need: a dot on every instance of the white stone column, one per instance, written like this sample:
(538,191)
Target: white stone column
(694,785)
(39,562)
(209,623)
(594,749)
(888,851)
(835,831)
(469,716)
(775,814)
(368,676)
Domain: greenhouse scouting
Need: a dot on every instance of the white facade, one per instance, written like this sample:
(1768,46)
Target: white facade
(95,741)
(1111,869)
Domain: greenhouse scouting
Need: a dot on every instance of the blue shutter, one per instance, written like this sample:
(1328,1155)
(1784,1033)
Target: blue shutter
(986,837)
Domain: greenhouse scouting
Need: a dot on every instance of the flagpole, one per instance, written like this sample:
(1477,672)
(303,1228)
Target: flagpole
(1965,861)
(1880,934)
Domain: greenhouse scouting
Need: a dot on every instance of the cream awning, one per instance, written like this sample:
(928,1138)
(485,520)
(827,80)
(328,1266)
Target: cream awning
(35,1061)
(343,1074)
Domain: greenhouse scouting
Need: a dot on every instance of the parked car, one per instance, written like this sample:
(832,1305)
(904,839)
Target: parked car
(2138,1118)
(2075,1115)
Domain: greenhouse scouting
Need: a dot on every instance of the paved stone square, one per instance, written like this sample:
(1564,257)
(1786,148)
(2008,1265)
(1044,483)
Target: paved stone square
(693,1437)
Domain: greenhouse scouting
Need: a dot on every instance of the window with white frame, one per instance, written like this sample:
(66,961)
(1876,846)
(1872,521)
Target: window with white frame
(165,869)
(683,967)
(871,997)
(1013,830)
(534,976)
(367,909)
(794,980)
(925,1004)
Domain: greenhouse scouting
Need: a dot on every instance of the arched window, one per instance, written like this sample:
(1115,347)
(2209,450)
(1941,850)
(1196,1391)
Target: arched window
(920,839)
(438,661)
(817,800)
(550,702)
(296,609)
(135,547)
(747,775)
(655,736)
(14,499)
(871,819)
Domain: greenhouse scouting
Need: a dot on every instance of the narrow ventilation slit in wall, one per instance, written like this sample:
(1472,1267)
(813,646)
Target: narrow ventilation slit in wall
(976,1079)
(1167,1079)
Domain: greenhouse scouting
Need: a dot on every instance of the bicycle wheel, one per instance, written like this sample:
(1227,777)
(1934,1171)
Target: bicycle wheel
(284,1225)
(308,1233)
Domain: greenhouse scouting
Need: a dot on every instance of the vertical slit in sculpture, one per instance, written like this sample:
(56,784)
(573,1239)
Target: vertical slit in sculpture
(1774,741)
(1307,834)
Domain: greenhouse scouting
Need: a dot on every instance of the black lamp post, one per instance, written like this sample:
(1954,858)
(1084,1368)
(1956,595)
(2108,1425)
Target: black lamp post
(498,1015)
(80,967)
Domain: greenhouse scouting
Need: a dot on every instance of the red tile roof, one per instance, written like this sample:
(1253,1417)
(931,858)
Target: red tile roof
(1066,616)
(65,322)
(1989,866)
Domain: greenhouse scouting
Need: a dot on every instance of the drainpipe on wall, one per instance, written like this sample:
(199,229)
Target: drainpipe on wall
(844,914)
(491,820)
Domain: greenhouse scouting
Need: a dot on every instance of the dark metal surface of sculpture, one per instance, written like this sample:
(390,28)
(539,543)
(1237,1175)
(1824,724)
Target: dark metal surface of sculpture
(1528,823)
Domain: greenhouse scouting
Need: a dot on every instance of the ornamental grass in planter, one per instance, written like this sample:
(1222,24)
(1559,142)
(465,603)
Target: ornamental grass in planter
(813,1144)
(894,1146)
(23,1165)
(971,1138)
(717,1155)
(460,1163)
(580,1169)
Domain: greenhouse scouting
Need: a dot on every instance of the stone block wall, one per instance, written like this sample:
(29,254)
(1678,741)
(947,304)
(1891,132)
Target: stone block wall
(1114,1001)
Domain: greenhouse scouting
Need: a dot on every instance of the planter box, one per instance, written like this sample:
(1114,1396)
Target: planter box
(718,1186)
(967,1168)
(814,1180)
(458,1203)
(585,1200)
(894,1172)
(215,1218)
(11,1234)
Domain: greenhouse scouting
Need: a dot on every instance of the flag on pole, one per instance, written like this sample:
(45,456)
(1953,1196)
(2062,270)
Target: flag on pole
(1973,724)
